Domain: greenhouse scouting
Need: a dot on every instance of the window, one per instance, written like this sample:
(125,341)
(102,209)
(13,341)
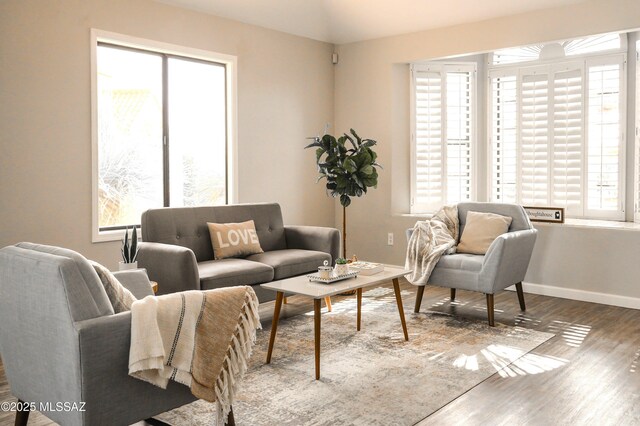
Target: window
(442,115)
(162,130)
(556,129)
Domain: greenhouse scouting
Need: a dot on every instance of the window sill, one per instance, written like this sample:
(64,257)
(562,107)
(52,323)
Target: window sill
(572,223)
(415,215)
(592,223)
(113,235)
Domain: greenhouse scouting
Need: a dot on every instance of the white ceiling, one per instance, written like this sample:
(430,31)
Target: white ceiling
(345,21)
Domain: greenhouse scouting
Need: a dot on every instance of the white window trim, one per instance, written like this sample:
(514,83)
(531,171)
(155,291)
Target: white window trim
(636,176)
(622,49)
(442,67)
(515,69)
(231,66)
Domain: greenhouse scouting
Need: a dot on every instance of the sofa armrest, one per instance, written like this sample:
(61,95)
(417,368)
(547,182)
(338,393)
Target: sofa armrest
(507,260)
(314,238)
(111,395)
(174,268)
(136,281)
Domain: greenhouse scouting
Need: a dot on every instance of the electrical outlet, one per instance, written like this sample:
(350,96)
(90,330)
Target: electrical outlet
(390,239)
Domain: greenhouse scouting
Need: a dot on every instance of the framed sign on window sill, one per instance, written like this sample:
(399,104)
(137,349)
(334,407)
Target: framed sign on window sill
(545,214)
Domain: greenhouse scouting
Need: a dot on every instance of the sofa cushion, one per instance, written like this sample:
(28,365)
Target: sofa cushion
(457,271)
(87,275)
(291,262)
(234,239)
(461,261)
(231,272)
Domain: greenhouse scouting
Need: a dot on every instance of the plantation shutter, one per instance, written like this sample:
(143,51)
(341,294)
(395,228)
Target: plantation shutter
(604,136)
(534,139)
(568,130)
(504,152)
(459,135)
(428,140)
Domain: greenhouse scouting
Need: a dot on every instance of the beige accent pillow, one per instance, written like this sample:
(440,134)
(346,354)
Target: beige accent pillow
(234,239)
(480,230)
(120,297)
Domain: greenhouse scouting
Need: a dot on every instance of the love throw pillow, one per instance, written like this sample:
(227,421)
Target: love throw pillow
(234,239)
(480,230)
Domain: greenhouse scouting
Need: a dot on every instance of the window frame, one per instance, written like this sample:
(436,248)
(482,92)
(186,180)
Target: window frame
(443,68)
(125,41)
(587,60)
(636,136)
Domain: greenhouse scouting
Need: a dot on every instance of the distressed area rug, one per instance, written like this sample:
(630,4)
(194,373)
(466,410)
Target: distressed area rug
(371,377)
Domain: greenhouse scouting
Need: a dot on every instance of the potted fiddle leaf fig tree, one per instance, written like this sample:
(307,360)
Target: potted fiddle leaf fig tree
(348,163)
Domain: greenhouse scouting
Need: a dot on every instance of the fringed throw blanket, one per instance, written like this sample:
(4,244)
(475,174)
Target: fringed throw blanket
(202,339)
(429,241)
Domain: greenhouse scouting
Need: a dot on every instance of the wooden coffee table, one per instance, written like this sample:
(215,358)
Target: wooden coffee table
(318,291)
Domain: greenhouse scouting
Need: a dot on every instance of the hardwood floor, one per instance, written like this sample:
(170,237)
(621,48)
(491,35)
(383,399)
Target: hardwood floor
(589,373)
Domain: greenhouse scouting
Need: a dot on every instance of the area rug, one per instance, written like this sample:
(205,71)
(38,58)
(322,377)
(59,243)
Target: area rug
(371,377)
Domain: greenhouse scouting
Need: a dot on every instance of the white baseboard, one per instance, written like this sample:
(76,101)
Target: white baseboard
(582,295)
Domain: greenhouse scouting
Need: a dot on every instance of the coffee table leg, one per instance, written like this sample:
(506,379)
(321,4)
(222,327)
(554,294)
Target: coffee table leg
(274,323)
(316,323)
(327,301)
(396,289)
(359,298)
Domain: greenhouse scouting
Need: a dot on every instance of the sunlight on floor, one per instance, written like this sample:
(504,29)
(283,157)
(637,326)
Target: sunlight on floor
(447,301)
(481,308)
(501,357)
(526,321)
(573,334)
(635,364)
(466,362)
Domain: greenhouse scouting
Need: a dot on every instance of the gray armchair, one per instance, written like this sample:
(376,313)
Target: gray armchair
(61,342)
(504,264)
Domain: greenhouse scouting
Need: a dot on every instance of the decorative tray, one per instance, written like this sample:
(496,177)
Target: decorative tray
(333,278)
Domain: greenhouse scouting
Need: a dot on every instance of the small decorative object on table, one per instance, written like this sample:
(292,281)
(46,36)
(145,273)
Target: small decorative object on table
(367,268)
(327,275)
(341,266)
(129,251)
(324,272)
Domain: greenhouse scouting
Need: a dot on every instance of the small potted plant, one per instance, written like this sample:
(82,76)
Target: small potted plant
(129,251)
(341,266)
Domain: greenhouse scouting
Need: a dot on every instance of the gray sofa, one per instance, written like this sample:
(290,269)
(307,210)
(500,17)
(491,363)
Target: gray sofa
(60,340)
(504,264)
(177,253)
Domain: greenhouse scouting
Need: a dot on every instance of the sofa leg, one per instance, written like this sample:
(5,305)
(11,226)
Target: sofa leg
(419,298)
(453,294)
(490,309)
(520,296)
(22,416)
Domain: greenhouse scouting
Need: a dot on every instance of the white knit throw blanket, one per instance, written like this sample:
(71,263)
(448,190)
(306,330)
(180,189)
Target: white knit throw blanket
(429,240)
(202,339)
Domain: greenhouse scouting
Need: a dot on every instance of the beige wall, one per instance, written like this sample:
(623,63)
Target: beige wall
(285,93)
(372,96)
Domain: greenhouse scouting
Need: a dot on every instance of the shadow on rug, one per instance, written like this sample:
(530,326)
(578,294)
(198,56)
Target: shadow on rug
(371,377)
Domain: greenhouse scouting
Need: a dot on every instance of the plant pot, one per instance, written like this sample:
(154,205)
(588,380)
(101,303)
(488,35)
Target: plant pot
(342,269)
(122,266)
